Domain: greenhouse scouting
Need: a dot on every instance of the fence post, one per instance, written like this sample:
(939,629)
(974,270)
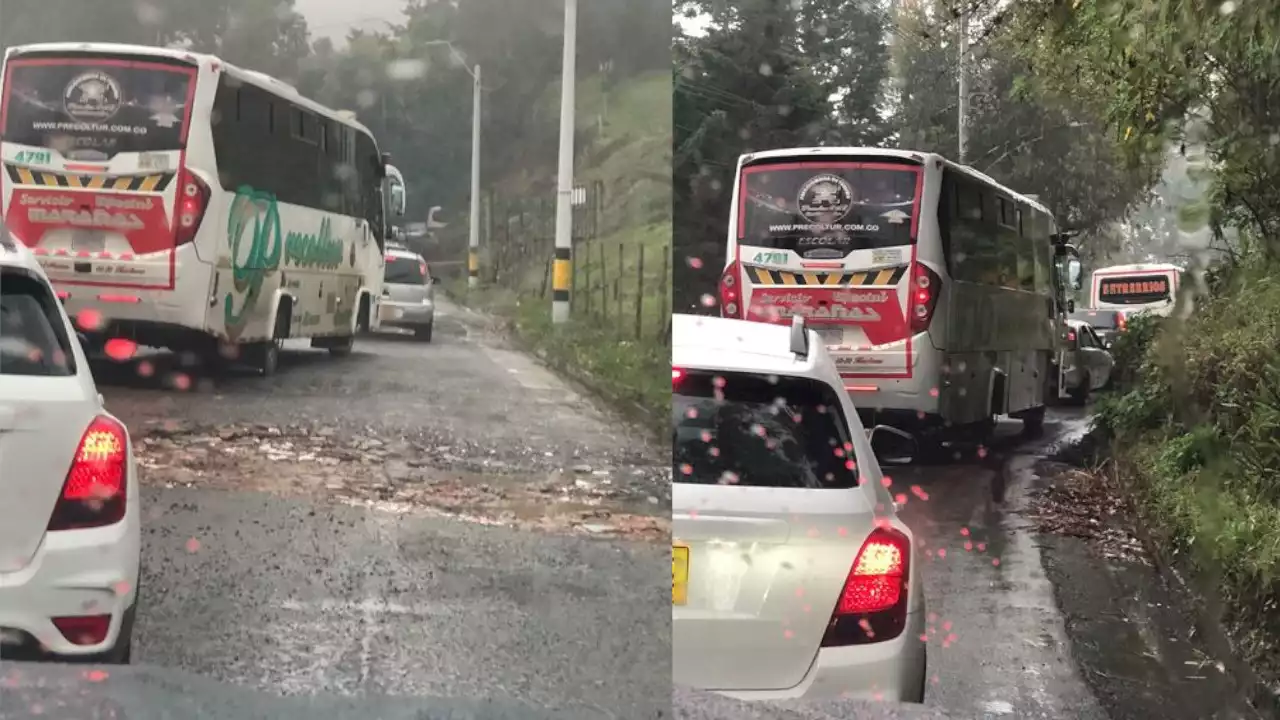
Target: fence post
(590,289)
(666,294)
(604,286)
(640,294)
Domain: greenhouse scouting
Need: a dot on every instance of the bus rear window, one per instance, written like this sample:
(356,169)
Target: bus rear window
(826,210)
(93,108)
(1133,289)
(757,431)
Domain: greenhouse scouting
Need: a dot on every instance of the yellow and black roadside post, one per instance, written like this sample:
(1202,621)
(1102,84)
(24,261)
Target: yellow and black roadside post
(473,268)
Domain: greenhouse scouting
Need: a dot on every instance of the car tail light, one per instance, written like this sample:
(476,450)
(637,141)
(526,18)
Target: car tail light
(676,376)
(1071,336)
(389,258)
(925,288)
(731,292)
(873,602)
(1121,321)
(193,200)
(422,268)
(95,490)
(83,629)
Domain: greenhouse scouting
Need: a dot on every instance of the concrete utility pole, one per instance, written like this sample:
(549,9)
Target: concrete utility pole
(962,127)
(562,265)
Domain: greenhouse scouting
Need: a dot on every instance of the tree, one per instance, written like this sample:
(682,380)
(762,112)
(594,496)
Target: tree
(1025,134)
(746,85)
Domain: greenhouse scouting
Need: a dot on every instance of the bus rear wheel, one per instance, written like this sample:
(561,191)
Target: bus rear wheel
(1033,421)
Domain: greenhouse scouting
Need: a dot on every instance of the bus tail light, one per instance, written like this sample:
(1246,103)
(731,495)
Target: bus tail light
(731,292)
(1121,321)
(193,200)
(925,288)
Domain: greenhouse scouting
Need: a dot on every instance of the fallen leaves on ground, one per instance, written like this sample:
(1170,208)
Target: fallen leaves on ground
(401,476)
(1084,504)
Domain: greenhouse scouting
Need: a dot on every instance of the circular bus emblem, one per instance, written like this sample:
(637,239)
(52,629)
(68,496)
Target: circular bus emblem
(825,198)
(92,96)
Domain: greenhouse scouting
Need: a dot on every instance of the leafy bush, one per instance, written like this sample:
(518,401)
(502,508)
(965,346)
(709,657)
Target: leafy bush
(1130,350)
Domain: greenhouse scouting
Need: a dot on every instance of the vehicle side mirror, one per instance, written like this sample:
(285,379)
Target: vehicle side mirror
(1071,306)
(892,446)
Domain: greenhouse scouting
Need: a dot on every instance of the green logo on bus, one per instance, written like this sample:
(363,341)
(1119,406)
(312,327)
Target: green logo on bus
(256,209)
(321,250)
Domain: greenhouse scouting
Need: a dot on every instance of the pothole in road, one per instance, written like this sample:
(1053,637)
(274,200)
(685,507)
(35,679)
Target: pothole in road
(397,475)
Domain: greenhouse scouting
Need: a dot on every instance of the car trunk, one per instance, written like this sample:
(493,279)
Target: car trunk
(48,413)
(765,570)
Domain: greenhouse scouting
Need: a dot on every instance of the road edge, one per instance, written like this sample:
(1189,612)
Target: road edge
(1086,453)
(579,378)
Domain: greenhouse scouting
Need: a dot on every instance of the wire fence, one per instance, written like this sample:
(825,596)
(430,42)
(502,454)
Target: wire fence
(619,285)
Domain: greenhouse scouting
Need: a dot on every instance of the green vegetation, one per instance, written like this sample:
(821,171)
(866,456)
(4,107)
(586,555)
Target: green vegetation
(1197,412)
(1194,424)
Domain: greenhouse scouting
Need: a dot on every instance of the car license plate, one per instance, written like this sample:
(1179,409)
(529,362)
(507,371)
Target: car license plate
(88,241)
(679,575)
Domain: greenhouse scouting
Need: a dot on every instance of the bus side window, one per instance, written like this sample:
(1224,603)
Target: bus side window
(971,243)
(1026,249)
(1033,226)
(368,164)
(946,216)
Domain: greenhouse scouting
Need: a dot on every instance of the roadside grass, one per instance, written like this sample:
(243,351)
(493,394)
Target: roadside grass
(1194,431)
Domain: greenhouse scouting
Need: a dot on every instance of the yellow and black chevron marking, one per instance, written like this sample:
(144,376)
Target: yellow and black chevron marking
(872,278)
(155,182)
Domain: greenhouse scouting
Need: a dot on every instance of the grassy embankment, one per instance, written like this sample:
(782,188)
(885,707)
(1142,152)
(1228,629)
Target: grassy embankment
(1194,432)
(632,157)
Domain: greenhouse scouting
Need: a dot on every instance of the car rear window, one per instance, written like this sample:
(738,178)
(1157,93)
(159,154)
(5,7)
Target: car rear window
(1105,319)
(405,271)
(33,337)
(759,431)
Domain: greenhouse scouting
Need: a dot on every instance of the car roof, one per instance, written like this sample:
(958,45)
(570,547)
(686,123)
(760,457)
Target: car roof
(714,343)
(1077,323)
(403,252)
(14,254)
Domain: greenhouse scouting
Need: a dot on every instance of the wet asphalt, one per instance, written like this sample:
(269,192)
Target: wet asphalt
(1028,625)
(297,596)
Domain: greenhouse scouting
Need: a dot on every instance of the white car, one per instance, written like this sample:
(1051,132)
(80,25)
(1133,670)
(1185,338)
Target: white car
(69,524)
(1089,363)
(792,576)
(408,293)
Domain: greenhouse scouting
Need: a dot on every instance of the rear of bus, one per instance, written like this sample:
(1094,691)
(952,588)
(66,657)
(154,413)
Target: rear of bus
(831,236)
(1136,288)
(95,183)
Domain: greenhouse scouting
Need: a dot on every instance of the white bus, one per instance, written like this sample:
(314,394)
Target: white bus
(184,203)
(1144,287)
(940,293)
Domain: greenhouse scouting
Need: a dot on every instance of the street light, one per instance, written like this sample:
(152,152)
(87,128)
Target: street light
(562,264)
(473,235)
